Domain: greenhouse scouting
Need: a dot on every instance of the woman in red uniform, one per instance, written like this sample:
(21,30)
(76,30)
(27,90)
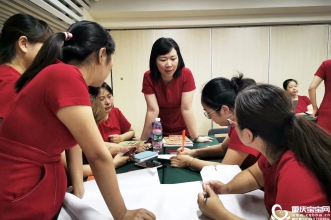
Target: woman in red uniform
(115,128)
(218,98)
(168,88)
(303,103)
(294,168)
(323,113)
(52,113)
(20,40)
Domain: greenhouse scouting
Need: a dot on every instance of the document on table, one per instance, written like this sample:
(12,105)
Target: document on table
(165,156)
(142,189)
(249,205)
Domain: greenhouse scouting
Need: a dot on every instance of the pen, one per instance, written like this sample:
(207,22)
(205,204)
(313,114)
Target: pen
(183,140)
(205,196)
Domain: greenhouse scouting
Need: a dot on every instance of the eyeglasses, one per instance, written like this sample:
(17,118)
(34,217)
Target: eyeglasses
(208,114)
(229,120)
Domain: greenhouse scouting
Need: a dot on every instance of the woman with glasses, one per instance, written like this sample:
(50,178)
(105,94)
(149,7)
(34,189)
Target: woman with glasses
(218,98)
(168,87)
(295,159)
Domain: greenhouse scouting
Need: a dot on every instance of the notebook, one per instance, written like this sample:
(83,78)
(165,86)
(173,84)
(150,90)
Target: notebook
(176,141)
(143,156)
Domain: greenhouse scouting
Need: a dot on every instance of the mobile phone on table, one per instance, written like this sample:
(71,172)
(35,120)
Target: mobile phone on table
(131,151)
(150,164)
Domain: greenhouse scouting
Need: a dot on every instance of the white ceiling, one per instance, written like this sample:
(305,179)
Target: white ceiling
(135,14)
(141,14)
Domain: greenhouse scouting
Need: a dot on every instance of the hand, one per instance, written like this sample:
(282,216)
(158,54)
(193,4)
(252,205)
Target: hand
(138,214)
(136,139)
(315,113)
(217,186)
(204,139)
(79,191)
(212,207)
(186,151)
(115,138)
(180,161)
(141,147)
(120,160)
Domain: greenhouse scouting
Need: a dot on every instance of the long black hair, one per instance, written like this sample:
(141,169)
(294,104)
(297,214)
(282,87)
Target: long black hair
(221,91)
(266,110)
(163,46)
(35,30)
(88,37)
(94,91)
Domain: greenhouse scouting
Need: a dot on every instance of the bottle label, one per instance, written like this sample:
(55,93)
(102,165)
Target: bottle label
(157,137)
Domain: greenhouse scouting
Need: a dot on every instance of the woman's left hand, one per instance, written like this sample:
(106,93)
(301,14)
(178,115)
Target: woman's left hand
(204,139)
(180,160)
(115,138)
(141,147)
(212,207)
(79,191)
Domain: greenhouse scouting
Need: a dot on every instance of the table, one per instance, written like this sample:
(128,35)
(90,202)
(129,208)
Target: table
(171,175)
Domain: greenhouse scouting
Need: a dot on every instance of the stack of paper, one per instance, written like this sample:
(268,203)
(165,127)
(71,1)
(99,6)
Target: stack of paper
(176,141)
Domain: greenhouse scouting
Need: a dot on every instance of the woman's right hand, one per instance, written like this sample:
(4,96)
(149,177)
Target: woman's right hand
(138,214)
(217,186)
(186,151)
(315,113)
(120,160)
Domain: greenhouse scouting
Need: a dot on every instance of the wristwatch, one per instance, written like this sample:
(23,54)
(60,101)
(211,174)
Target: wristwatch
(195,139)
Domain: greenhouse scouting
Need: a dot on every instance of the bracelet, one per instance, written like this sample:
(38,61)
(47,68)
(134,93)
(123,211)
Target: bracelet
(195,139)
(191,162)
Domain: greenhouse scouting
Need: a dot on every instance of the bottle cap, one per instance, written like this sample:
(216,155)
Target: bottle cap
(157,119)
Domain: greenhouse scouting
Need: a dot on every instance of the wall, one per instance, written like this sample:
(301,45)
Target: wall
(267,54)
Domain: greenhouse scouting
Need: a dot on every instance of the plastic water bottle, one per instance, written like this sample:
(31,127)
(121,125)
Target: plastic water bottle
(157,135)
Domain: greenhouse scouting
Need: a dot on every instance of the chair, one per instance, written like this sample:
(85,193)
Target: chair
(223,131)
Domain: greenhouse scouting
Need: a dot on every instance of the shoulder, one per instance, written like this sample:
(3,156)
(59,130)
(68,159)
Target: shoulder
(147,73)
(186,71)
(9,73)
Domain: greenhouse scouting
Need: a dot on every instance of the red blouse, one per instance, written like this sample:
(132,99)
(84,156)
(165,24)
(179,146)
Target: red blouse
(169,98)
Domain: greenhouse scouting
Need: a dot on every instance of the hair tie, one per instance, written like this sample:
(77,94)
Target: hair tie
(67,35)
(289,118)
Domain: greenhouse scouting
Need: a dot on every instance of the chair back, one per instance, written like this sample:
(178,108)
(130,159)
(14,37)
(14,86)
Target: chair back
(223,131)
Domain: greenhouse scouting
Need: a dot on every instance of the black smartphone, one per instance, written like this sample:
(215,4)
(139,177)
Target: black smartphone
(150,164)
(131,151)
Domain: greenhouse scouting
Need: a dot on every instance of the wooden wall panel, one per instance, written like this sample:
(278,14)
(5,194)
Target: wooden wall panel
(296,52)
(131,60)
(244,50)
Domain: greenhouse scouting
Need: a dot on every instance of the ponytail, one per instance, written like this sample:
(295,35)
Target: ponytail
(49,52)
(312,146)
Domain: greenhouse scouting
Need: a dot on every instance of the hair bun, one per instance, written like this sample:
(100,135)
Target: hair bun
(237,82)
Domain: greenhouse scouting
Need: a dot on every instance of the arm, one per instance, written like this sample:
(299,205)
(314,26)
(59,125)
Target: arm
(117,138)
(151,114)
(187,113)
(234,157)
(80,122)
(188,116)
(246,181)
(312,93)
(75,169)
(218,150)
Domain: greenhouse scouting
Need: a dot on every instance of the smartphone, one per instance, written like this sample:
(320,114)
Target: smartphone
(131,151)
(151,164)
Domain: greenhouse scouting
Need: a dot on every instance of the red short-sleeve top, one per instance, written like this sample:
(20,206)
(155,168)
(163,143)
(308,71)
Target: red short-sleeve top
(324,72)
(169,98)
(290,183)
(8,78)
(236,144)
(115,124)
(303,102)
(32,119)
